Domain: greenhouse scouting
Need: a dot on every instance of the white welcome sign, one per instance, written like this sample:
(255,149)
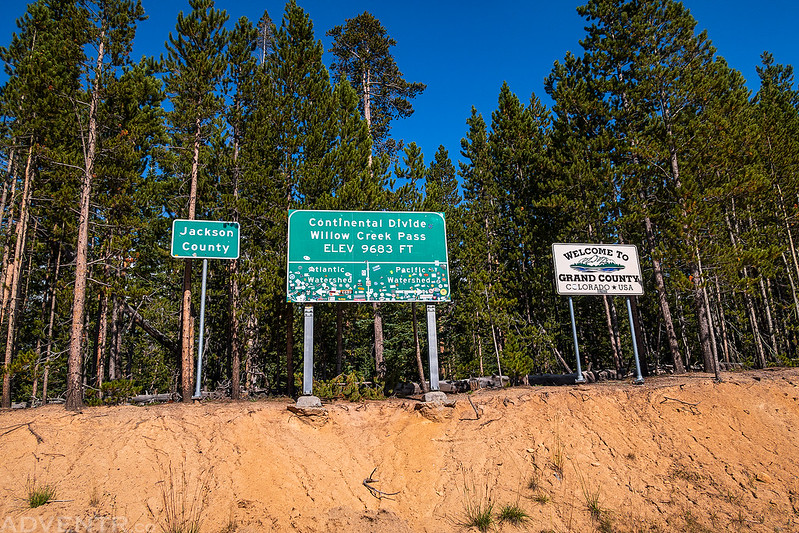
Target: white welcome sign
(597,269)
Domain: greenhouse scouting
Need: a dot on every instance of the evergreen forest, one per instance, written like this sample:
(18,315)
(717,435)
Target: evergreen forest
(652,140)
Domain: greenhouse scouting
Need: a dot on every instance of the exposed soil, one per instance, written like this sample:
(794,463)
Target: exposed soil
(676,454)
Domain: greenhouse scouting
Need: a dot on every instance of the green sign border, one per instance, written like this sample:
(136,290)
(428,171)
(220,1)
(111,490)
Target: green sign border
(203,224)
(373,284)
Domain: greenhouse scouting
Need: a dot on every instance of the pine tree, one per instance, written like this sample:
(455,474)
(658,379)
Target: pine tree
(297,114)
(241,86)
(482,246)
(112,26)
(441,194)
(362,55)
(777,120)
(362,51)
(133,120)
(651,77)
(43,64)
(195,65)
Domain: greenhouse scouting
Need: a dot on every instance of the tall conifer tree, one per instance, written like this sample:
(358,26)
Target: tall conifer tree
(195,65)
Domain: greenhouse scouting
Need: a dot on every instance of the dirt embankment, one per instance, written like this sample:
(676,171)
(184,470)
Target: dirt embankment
(676,454)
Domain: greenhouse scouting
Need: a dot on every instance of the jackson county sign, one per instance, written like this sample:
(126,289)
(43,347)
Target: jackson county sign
(598,269)
(205,239)
(367,256)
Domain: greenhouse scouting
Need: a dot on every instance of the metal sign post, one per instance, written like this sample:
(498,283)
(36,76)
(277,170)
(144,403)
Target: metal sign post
(206,239)
(639,380)
(202,331)
(598,270)
(432,345)
(367,256)
(307,353)
(579,378)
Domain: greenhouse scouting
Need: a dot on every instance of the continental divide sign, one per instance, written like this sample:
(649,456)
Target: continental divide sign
(367,256)
(597,269)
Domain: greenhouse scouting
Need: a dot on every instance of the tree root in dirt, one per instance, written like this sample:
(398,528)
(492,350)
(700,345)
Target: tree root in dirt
(379,494)
(692,406)
(39,438)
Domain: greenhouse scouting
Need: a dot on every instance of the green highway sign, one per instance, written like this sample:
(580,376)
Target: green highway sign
(367,256)
(205,239)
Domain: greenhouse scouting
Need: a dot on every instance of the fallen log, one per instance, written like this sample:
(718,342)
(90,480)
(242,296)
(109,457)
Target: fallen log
(551,379)
(149,398)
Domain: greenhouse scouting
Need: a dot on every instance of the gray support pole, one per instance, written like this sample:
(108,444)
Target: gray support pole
(432,344)
(307,359)
(580,378)
(202,331)
(639,380)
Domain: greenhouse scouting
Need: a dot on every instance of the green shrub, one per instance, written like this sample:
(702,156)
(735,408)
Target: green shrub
(350,387)
(39,495)
(513,514)
(113,392)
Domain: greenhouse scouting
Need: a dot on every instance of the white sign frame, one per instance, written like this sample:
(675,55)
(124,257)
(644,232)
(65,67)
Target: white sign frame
(597,269)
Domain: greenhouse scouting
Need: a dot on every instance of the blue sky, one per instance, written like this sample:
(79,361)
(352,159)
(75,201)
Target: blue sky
(463,50)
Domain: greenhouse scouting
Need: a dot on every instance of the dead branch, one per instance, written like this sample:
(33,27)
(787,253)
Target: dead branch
(151,330)
(489,421)
(9,429)
(692,406)
(476,413)
(379,494)
(666,398)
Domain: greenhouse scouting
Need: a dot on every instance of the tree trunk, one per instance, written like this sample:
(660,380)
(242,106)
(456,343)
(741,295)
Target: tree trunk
(251,329)
(683,335)
(50,324)
(702,318)
(725,343)
(760,360)
(235,297)
(48,282)
(702,312)
(148,328)
(496,351)
(663,302)
(613,336)
(769,320)
(74,400)
(186,330)
(366,93)
(290,348)
(714,352)
(786,220)
(186,335)
(793,286)
(480,354)
(102,331)
(114,361)
(380,362)
(419,366)
(14,271)
(6,272)
(8,184)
